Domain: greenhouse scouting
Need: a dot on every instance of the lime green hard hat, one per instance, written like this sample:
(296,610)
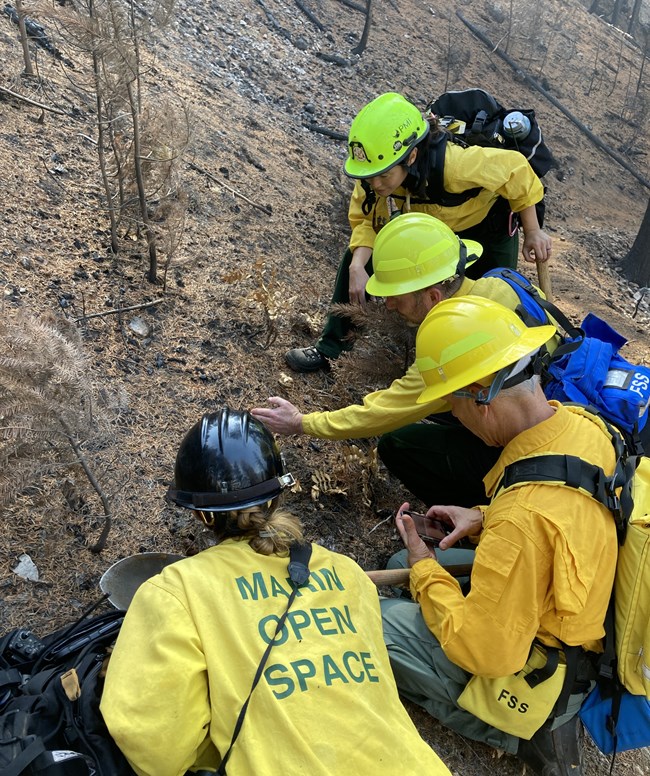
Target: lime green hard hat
(415,251)
(382,134)
(466,339)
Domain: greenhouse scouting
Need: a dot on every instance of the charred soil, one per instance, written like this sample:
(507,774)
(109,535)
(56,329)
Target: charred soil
(265,227)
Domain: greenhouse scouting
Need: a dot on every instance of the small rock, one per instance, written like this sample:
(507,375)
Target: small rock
(26,568)
(140,327)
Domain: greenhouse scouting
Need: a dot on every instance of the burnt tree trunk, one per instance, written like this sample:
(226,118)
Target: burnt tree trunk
(636,265)
(634,17)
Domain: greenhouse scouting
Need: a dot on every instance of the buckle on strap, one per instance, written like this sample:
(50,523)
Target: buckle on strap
(287,480)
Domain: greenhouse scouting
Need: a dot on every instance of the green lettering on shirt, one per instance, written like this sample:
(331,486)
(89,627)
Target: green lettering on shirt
(277,589)
(365,660)
(279,681)
(332,579)
(304,669)
(255,590)
(320,618)
(324,579)
(347,657)
(332,671)
(267,635)
(298,621)
(343,619)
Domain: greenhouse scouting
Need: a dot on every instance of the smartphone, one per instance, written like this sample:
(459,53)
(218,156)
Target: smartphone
(429,529)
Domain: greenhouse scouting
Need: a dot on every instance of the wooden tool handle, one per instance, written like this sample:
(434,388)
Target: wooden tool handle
(401,576)
(390,576)
(544,278)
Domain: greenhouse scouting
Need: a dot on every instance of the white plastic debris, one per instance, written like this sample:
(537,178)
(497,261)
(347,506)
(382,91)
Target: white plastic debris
(26,568)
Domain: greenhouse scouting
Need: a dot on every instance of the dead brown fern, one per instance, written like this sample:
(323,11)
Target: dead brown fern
(383,351)
(46,409)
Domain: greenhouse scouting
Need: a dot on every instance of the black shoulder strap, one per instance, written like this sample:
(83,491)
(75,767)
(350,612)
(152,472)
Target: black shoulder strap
(370,198)
(574,472)
(548,307)
(20,764)
(435,192)
(299,556)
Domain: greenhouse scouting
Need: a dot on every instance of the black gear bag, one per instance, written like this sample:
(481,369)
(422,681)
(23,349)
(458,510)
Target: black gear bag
(474,117)
(50,688)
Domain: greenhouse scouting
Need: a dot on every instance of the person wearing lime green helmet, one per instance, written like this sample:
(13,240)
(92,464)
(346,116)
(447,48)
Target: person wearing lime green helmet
(545,556)
(391,156)
(419,262)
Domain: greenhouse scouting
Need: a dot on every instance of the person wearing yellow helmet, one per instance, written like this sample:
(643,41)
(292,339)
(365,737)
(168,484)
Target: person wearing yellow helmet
(391,156)
(419,261)
(544,563)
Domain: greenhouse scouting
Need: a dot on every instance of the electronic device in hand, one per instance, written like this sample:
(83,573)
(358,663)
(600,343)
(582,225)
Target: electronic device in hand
(429,529)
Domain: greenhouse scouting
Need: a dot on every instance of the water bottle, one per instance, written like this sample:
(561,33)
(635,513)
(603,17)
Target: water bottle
(516,125)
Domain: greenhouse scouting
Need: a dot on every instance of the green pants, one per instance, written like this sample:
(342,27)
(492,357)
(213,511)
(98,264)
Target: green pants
(427,677)
(440,463)
(500,248)
(454,556)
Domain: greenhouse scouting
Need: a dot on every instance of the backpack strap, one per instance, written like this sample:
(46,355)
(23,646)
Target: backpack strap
(574,472)
(436,194)
(515,279)
(299,556)
(34,749)
(10,678)
(538,313)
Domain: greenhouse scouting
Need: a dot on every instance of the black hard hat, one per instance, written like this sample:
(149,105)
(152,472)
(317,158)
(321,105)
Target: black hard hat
(228,460)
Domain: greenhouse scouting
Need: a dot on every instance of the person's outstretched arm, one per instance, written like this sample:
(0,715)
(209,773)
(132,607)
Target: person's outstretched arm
(281,417)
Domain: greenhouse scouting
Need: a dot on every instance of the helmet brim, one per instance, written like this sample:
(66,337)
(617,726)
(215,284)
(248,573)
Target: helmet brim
(244,498)
(360,170)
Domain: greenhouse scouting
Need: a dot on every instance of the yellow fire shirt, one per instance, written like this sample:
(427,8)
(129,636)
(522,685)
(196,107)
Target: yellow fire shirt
(191,643)
(497,171)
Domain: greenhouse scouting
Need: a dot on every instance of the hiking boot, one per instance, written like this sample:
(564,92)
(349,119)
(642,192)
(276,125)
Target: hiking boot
(306,359)
(554,752)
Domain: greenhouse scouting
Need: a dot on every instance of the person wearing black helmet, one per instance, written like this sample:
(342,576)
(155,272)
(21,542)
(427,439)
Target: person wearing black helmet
(262,653)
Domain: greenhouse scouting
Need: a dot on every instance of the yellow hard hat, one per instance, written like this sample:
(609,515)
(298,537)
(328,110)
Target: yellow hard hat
(467,339)
(415,251)
(383,134)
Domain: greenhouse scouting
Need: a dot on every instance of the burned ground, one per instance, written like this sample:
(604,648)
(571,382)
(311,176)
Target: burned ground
(265,228)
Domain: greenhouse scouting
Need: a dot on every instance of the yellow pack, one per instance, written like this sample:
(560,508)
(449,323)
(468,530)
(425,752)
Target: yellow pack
(632,589)
(627,495)
(520,703)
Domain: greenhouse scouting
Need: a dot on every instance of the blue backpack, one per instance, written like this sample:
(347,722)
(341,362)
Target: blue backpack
(587,367)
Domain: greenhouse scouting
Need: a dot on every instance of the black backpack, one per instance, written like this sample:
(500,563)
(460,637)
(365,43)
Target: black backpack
(50,688)
(475,117)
